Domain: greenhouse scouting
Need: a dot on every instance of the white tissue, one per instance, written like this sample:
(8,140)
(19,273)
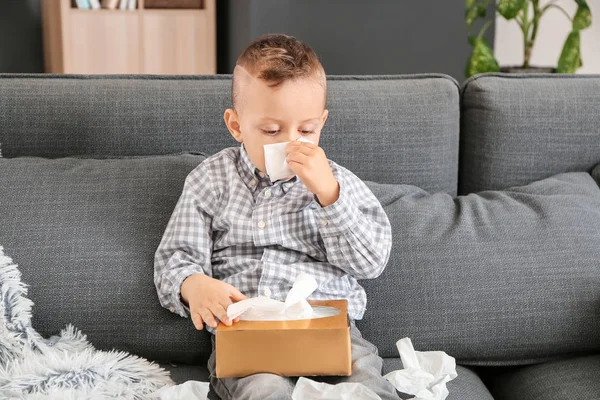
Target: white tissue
(425,373)
(190,390)
(309,389)
(275,160)
(303,287)
(295,306)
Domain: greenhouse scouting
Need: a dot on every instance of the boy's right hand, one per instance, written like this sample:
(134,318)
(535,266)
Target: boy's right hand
(208,298)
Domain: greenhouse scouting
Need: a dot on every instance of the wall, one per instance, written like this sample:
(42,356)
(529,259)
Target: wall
(21,36)
(361,37)
(552,33)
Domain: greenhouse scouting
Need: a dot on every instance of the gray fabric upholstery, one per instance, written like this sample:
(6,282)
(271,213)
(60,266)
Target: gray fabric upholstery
(596,173)
(517,129)
(181,372)
(84,233)
(494,278)
(466,386)
(573,378)
(396,129)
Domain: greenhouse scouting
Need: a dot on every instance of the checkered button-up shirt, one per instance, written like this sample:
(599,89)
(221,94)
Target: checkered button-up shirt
(233,224)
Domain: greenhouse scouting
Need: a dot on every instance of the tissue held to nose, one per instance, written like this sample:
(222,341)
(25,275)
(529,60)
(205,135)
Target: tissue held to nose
(275,160)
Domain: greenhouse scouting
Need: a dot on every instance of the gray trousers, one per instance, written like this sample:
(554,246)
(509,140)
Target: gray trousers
(366,369)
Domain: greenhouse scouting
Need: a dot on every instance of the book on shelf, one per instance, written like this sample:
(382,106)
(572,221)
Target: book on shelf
(95,4)
(173,4)
(110,4)
(132,4)
(83,4)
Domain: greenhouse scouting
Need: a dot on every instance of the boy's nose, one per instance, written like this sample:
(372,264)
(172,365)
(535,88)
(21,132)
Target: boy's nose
(291,136)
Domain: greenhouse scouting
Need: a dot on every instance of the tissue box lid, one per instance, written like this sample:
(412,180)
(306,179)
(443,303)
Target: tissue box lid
(288,348)
(335,322)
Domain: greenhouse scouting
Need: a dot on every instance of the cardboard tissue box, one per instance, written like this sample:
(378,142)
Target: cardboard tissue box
(295,338)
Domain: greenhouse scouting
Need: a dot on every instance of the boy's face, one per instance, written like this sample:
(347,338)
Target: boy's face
(266,115)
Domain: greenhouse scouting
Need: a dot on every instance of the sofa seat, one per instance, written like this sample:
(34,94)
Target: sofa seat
(572,378)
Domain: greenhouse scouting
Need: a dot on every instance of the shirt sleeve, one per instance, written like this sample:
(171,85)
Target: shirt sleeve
(355,229)
(186,245)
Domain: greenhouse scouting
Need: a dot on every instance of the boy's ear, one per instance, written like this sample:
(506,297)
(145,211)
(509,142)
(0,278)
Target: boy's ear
(325,115)
(233,124)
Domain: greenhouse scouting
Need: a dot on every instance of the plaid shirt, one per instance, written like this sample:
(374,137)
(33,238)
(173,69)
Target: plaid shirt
(233,224)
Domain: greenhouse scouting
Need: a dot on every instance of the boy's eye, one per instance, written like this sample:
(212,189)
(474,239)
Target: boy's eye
(269,131)
(307,132)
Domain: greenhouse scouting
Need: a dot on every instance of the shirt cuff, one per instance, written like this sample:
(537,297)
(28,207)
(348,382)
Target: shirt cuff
(178,306)
(338,217)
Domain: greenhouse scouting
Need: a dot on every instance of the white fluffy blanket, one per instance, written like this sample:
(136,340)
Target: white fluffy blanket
(65,366)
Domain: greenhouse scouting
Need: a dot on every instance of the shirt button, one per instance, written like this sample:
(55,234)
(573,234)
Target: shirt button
(268,194)
(267,292)
(323,222)
(262,224)
(261,174)
(253,182)
(172,309)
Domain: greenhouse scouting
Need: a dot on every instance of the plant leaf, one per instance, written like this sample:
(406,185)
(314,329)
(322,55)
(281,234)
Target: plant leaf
(570,57)
(482,59)
(474,12)
(583,16)
(469,3)
(510,8)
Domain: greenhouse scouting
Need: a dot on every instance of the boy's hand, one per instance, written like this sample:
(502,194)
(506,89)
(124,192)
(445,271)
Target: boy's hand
(208,298)
(309,162)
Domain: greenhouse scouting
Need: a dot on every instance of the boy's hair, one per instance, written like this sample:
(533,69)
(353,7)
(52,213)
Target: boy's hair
(277,58)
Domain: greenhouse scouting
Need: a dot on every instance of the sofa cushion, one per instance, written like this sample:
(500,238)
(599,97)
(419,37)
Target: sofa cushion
(466,386)
(573,378)
(390,129)
(494,278)
(516,129)
(84,233)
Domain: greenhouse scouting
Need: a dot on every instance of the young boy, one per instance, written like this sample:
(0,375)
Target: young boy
(234,233)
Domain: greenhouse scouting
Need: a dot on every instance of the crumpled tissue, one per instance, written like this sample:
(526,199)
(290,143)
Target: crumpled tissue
(275,160)
(425,375)
(295,306)
(188,390)
(309,389)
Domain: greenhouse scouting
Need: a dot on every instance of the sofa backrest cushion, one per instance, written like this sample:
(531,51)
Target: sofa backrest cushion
(516,129)
(390,129)
(84,233)
(494,278)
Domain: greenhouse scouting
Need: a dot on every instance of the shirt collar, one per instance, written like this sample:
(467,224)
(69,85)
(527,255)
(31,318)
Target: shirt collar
(248,172)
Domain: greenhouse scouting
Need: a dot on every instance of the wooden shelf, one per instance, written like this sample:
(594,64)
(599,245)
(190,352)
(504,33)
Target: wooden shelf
(140,41)
(142,5)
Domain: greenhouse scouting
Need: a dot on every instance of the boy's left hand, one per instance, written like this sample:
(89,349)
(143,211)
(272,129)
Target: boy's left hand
(309,163)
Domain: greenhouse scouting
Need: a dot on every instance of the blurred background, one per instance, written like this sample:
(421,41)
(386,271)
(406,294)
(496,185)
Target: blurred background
(350,37)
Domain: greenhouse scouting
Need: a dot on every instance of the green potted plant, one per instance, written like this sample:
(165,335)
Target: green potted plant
(527,13)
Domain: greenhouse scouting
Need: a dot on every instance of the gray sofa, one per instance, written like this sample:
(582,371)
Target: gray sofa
(489,188)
